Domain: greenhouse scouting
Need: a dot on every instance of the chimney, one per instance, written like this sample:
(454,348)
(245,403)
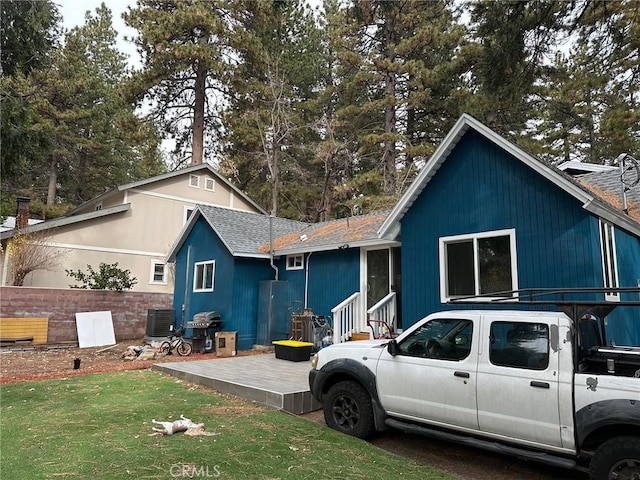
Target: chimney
(22,213)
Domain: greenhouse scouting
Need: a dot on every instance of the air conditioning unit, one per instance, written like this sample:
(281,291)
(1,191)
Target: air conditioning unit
(159,322)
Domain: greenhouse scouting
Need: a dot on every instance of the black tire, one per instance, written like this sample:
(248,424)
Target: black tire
(347,408)
(617,458)
(184,349)
(165,348)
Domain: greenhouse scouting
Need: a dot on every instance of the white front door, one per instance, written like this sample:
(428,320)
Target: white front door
(518,382)
(433,378)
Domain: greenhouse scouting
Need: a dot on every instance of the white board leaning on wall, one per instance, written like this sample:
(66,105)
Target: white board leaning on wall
(95,329)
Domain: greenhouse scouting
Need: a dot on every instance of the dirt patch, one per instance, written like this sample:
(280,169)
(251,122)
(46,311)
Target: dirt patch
(43,363)
(462,462)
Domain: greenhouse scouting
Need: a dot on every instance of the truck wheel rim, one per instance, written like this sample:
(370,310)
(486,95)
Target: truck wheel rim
(346,412)
(626,469)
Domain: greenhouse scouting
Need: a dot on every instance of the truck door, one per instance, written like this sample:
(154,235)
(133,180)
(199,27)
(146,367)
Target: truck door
(433,377)
(518,381)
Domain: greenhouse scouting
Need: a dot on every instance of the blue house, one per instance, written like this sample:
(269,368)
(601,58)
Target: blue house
(257,270)
(483,218)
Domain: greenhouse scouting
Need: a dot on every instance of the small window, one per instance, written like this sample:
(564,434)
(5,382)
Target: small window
(609,260)
(478,264)
(158,272)
(188,211)
(203,276)
(295,262)
(98,206)
(210,184)
(442,339)
(194,181)
(519,345)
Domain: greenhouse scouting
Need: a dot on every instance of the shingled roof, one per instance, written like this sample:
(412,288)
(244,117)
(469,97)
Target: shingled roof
(243,233)
(351,231)
(608,186)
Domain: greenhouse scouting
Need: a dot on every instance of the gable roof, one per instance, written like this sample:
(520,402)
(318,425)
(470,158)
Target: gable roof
(166,176)
(247,234)
(243,233)
(590,201)
(357,231)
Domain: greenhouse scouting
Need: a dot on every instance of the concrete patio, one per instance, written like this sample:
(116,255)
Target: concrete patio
(264,379)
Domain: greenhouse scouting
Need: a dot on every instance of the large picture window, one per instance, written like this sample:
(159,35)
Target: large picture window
(203,276)
(609,261)
(478,264)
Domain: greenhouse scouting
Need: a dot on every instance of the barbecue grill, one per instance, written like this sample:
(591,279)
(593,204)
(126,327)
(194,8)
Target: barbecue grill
(204,325)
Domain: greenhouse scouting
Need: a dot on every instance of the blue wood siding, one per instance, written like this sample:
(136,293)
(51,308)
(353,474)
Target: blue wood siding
(481,188)
(333,276)
(246,282)
(236,280)
(623,327)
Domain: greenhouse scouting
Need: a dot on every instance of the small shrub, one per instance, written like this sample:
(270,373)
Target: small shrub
(108,277)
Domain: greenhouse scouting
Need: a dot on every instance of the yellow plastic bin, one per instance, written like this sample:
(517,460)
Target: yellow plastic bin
(293,350)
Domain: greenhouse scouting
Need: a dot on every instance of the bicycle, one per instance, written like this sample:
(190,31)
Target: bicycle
(177,343)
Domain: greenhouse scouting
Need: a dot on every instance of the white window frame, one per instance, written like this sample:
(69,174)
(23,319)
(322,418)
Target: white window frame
(194,181)
(295,262)
(444,241)
(152,275)
(209,181)
(609,259)
(186,215)
(196,266)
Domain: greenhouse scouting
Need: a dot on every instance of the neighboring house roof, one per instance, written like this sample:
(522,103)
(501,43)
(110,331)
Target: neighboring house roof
(165,176)
(591,202)
(63,221)
(10,223)
(243,233)
(347,232)
(575,167)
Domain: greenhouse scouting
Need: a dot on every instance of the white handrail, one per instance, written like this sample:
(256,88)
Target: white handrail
(384,312)
(346,318)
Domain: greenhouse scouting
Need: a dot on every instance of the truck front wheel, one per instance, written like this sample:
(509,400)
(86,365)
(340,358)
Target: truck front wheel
(616,459)
(347,408)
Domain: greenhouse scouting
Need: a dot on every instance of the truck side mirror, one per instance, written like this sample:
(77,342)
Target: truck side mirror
(392,347)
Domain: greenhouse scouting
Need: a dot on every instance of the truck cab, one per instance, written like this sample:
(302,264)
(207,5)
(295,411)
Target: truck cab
(537,384)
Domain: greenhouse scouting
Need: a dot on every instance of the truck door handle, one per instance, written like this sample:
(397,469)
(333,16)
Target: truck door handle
(539,384)
(461,374)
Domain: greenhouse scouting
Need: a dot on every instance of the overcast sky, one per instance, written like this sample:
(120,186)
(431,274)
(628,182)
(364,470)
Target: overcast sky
(73,11)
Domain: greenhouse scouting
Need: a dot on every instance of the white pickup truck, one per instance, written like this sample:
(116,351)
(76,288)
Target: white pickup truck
(533,384)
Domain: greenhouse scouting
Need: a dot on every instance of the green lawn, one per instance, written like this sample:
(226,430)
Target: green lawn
(97,426)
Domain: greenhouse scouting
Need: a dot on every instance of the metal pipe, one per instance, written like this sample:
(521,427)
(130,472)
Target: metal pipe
(275,268)
(306,282)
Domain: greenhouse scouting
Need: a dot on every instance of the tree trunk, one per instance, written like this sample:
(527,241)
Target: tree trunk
(53,181)
(198,116)
(389,152)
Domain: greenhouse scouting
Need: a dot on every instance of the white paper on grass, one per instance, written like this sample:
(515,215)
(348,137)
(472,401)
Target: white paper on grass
(95,329)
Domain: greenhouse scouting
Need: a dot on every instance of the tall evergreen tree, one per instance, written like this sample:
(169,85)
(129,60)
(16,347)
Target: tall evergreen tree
(182,46)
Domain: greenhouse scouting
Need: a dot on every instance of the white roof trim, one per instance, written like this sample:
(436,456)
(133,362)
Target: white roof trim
(64,221)
(391,226)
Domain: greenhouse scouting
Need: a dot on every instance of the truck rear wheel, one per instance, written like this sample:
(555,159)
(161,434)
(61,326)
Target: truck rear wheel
(616,459)
(347,408)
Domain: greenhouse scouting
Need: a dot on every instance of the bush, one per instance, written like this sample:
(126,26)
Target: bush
(108,277)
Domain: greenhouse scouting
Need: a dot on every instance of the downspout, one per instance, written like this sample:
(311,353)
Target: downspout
(306,282)
(271,246)
(185,299)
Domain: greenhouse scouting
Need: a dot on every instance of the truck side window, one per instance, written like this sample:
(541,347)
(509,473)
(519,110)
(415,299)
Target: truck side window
(519,345)
(445,339)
